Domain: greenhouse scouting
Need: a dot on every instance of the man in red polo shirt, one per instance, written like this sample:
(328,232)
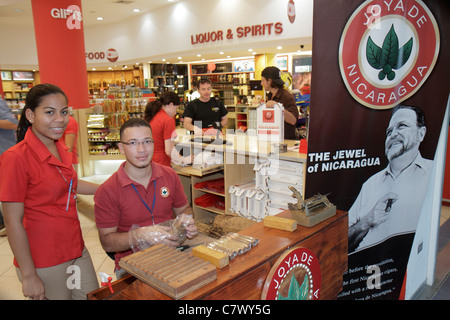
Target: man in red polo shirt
(140,193)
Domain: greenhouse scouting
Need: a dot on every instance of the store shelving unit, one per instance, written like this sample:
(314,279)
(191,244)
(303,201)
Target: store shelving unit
(16,85)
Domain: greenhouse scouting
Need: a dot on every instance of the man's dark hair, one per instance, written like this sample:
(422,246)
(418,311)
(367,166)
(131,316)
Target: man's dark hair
(203,81)
(134,122)
(420,116)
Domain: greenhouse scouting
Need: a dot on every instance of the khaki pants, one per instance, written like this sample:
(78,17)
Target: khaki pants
(71,280)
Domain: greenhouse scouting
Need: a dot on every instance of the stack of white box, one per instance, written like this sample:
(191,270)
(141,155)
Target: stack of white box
(246,201)
(269,194)
(251,122)
(273,177)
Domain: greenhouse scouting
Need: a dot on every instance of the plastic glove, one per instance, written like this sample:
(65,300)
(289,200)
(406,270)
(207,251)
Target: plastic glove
(141,238)
(184,226)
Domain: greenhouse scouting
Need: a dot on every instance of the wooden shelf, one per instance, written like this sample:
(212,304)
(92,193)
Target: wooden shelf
(14,90)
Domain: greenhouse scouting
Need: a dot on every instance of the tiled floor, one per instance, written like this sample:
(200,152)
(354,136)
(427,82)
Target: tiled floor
(10,287)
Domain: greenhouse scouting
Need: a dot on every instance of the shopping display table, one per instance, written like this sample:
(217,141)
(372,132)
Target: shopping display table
(245,278)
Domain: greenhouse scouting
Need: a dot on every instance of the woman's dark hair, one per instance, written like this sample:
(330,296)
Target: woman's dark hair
(153,107)
(32,101)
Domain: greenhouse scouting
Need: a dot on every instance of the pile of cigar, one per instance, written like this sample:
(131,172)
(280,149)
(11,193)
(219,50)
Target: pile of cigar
(233,244)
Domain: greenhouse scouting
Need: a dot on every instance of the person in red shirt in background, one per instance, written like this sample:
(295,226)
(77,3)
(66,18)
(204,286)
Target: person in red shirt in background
(70,136)
(160,114)
(38,193)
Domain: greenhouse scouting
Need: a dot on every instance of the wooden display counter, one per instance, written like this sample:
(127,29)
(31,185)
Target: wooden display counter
(245,276)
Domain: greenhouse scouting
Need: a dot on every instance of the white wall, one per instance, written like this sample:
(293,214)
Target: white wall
(169,29)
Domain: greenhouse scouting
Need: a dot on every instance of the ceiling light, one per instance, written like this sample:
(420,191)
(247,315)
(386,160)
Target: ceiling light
(279,47)
(110,68)
(163,59)
(199,55)
(99,18)
(93,69)
(221,52)
(250,50)
(136,10)
(180,58)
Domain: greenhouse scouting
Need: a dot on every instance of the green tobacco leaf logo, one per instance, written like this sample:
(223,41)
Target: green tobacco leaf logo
(389,57)
(297,292)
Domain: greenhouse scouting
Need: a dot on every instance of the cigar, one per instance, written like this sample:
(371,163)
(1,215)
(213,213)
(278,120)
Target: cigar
(389,205)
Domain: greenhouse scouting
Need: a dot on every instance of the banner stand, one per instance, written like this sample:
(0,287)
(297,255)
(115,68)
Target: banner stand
(422,262)
(437,197)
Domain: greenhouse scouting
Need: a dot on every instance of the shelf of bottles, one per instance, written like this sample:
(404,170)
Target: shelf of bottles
(104,123)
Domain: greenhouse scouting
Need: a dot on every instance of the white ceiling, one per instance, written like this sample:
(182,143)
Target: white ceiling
(19,12)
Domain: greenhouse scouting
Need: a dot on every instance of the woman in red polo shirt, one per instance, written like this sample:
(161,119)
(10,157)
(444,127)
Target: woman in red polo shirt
(38,188)
(160,114)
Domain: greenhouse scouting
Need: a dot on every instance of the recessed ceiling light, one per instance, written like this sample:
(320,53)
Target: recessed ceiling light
(250,50)
(279,47)
(180,58)
(93,69)
(163,59)
(99,18)
(136,10)
(110,68)
(221,52)
(199,55)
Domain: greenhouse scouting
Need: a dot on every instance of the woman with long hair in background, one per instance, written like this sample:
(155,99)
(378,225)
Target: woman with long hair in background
(160,114)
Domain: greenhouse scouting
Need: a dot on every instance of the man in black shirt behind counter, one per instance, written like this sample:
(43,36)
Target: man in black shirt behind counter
(204,112)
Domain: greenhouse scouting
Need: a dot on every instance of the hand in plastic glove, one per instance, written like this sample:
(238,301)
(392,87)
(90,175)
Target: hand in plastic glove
(184,224)
(144,237)
(191,228)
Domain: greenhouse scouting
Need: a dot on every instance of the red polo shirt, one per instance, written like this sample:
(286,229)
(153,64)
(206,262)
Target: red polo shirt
(118,205)
(163,128)
(29,174)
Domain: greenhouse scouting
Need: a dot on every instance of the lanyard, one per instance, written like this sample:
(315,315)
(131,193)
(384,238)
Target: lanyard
(145,204)
(70,188)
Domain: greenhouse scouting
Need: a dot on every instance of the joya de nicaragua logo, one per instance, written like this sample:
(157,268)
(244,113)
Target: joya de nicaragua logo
(296,275)
(387,51)
(389,57)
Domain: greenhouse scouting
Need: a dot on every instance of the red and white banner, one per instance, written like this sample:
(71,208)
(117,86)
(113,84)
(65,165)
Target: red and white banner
(60,46)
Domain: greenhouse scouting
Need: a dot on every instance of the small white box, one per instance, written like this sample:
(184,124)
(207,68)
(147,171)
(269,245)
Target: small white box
(270,123)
